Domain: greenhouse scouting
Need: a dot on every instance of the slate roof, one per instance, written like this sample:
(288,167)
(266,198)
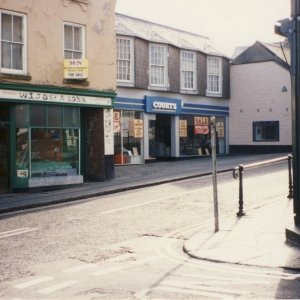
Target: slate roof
(157,33)
(263,52)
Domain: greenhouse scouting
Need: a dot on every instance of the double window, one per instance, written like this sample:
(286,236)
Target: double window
(13,42)
(74,41)
(266,131)
(158,65)
(214,75)
(188,71)
(125,60)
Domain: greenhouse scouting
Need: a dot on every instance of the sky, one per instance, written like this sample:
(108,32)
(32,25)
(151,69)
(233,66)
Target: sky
(228,23)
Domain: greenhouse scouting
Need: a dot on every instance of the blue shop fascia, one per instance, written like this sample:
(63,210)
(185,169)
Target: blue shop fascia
(158,127)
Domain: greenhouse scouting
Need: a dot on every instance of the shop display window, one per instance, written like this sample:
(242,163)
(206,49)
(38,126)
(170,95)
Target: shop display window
(194,132)
(128,137)
(48,144)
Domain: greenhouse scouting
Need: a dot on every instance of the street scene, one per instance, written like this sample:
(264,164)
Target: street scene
(149,150)
(130,245)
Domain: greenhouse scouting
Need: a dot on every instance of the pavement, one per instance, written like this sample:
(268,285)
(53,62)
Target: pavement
(257,239)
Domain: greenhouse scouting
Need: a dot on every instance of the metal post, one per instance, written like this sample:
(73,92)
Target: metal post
(290,195)
(241,213)
(295,51)
(214,171)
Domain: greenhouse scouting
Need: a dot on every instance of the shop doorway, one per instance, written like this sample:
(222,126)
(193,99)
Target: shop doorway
(163,135)
(4,148)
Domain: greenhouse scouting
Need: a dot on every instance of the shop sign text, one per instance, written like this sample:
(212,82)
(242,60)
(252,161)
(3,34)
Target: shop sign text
(54,98)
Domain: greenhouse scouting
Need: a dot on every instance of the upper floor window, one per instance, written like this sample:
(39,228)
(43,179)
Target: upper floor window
(188,70)
(74,41)
(158,65)
(125,60)
(214,75)
(13,42)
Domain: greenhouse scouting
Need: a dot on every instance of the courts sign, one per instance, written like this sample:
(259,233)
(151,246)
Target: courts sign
(163,105)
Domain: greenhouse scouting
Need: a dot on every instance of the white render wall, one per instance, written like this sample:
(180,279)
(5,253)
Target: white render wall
(256,95)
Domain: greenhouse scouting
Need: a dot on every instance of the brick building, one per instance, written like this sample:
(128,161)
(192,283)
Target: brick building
(57,88)
(169,83)
(260,102)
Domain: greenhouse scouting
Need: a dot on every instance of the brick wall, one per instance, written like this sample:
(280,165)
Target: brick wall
(141,53)
(201,73)
(174,69)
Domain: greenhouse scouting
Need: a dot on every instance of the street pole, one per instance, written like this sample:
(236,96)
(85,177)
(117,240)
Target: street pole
(290,28)
(214,170)
(295,53)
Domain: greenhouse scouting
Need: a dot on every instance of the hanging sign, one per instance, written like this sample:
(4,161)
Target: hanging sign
(182,128)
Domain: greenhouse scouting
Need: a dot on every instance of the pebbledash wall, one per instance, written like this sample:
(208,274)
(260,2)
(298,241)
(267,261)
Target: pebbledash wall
(56,131)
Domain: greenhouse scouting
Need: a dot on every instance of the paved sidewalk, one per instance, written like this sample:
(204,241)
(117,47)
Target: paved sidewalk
(257,239)
(129,177)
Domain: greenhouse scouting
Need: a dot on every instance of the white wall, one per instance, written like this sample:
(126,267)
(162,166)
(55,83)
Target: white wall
(256,95)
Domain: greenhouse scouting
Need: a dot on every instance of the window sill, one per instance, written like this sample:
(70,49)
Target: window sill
(158,88)
(217,95)
(82,82)
(191,92)
(125,84)
(15,76)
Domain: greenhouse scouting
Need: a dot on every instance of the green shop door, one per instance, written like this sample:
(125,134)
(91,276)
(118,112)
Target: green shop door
(4,148)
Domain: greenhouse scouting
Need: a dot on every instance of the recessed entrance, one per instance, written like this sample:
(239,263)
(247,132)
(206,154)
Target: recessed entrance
(4,148)
(163,135)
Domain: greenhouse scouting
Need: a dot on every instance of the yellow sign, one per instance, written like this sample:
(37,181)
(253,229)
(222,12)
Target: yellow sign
(75,68)
(138,128)
(182,128)
(220,129)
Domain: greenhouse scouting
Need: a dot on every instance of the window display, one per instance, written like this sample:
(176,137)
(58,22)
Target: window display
(128,137)
(47,141)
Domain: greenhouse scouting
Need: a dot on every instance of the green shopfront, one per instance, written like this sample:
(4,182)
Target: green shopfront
(50,136)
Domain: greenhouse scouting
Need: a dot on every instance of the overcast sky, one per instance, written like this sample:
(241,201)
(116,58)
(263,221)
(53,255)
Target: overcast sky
(228,23)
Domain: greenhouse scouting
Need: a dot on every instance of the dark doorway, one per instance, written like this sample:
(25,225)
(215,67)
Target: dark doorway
(4,148)
(163,135)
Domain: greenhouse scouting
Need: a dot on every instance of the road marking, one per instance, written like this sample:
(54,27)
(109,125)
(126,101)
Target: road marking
(176,290)
(16,232)
(146,202)
(125,266)
(57,287)
(194,285)
(79,268)
(33,282)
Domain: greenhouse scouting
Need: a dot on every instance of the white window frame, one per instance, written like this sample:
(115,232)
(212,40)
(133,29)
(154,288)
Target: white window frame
(185,68)
(214,69)
(83,41)
(130,81)
(24,43)
(164,65)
